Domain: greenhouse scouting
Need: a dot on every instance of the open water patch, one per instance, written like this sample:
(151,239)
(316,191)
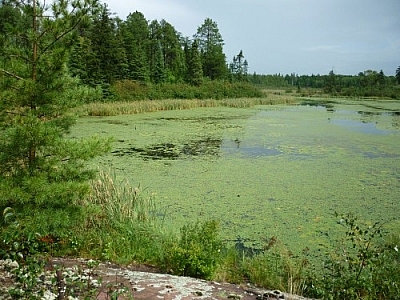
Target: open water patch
(360,126)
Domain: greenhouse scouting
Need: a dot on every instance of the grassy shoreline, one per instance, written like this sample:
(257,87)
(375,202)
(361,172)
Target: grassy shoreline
(120,226)
(141,106)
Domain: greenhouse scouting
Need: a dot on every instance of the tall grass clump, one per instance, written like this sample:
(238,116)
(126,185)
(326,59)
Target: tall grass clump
(121,223)
(120,201)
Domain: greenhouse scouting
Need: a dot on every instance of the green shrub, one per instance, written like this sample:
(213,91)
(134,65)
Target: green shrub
(126,90)
(362,265)
(276,268)
(196,253)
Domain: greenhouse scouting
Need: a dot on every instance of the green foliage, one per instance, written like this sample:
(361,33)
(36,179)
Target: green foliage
(194,65)
(43,175)
(239,67)
(331,85)
(130,91)
(210,44)
(272,267)
(196,253)
(276,268)
(362,266)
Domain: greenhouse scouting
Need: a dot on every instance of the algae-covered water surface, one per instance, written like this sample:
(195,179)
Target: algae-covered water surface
(269,170)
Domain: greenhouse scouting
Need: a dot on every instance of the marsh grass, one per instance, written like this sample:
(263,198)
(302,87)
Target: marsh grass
(122,223)
(120,201)
(142,106)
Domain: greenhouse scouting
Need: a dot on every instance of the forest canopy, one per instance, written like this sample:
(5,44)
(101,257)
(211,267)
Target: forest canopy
(107,50)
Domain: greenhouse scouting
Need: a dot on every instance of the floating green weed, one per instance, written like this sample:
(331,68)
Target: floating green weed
(317,167)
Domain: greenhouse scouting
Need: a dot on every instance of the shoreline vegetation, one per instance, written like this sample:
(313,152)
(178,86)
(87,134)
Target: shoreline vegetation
(141,106)
(130,97)
(76,58)
(121,226)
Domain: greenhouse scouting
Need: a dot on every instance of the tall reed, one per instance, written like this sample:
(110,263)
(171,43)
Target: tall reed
(141,106)
(119,202)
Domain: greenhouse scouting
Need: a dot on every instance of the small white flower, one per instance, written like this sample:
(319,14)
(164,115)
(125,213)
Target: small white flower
(13,264)
(49,296)
(396,249)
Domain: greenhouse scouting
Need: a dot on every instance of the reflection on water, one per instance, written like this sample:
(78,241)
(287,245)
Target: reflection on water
(236,147)
(360,126)
(214,147)
(328,105)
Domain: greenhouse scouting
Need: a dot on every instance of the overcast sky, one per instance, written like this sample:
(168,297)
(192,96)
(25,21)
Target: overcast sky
(285,36)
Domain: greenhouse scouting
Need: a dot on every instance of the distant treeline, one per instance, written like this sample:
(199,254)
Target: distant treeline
(366,84)
(110,51)
(106,52)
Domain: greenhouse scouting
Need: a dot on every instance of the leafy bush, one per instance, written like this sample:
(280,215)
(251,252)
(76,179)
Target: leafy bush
(127,90)
(362,266)
(272,267)
(196,253)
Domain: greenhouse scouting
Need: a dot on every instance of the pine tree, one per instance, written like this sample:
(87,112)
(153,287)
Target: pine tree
(99,56)
(42,174)
(135,33)
(173,54)
(398,75)
(158,72)
(210,44)
(239,67)
(195,72)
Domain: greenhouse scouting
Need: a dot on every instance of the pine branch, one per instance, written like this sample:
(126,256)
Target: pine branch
(11,74)
(61,36)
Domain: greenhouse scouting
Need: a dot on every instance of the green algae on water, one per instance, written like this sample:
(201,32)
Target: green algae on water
(269,170)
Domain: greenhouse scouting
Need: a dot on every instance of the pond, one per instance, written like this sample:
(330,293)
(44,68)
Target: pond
(267,171)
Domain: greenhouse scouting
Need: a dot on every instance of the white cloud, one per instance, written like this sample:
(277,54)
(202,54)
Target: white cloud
(175,12)
(284,36)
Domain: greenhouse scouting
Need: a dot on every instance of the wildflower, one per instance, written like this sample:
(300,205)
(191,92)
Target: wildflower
(49,296)
(396,249)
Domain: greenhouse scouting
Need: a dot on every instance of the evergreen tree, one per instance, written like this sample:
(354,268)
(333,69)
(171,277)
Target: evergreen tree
(172,50)
(195,73)
(135,33)
(331,83)
(210,43)
(42,174)
(398,75)
(156,56)
(239,67)
(99,56)
(158,72)
(109,53)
